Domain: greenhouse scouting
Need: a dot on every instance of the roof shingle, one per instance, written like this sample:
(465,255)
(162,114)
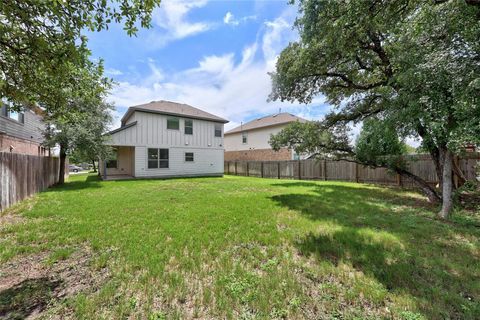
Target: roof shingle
(268,121)
(173,108)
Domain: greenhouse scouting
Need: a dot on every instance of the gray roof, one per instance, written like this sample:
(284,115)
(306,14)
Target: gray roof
(268,121)
(174,109)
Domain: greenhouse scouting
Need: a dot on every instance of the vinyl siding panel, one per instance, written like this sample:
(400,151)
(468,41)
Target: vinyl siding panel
(151,131)
(31,129)
(256,139)
(207,162)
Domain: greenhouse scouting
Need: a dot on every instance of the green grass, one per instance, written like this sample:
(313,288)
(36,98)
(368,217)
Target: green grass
(238,247)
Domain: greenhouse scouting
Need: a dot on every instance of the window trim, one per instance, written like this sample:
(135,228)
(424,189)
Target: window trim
(215,130)
(185,157)
(173,118)
(6,115)
(159,159)
(244,135)
(185,126)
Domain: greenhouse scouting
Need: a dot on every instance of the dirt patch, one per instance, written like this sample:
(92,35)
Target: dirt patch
(9,219)
(29,286)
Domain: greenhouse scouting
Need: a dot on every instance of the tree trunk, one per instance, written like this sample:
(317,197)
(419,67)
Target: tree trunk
(437,158)
(447,203)
(94,167)
(63,158)
(430,192)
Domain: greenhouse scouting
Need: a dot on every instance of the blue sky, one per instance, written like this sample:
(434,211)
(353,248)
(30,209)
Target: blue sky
(214,55)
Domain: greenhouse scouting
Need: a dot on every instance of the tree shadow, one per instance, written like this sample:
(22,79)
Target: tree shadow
(384,236)
(29,297)
(92,181)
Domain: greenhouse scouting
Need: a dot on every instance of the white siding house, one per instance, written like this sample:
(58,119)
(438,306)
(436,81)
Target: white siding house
(166,139)
(250,141)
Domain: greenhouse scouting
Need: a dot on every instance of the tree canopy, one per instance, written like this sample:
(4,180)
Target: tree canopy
(414,63)
(40,41)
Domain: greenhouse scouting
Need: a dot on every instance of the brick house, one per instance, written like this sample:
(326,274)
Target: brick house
(250,141)
(21,132)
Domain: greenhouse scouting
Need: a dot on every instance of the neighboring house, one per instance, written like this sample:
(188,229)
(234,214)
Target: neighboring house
(250,141)
(21,132)
(166,139)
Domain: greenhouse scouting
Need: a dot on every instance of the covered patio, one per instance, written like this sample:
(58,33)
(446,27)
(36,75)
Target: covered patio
(121,166)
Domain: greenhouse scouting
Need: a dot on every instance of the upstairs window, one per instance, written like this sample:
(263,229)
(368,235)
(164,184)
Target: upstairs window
(157,158)
(189,157)
(14,115)
(188,126)
(218,130)
(173,123)
(244,138)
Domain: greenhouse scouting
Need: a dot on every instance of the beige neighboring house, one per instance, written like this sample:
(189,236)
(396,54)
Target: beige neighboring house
(166,139)
(250,141)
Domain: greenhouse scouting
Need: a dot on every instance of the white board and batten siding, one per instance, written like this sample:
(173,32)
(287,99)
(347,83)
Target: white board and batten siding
(150,131)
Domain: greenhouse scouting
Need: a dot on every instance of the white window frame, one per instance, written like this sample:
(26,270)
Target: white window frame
(173,118)
(159,159)
(193,157)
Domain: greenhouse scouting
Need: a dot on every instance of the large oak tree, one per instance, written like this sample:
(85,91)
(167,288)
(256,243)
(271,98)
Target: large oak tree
(414,63)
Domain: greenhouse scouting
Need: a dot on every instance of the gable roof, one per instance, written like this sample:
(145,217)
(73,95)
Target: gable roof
(268,121)
(174,109)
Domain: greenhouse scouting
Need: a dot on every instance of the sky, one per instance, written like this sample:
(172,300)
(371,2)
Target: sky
(214,55)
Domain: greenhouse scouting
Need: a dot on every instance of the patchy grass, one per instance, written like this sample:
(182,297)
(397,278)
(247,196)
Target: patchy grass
(239,247)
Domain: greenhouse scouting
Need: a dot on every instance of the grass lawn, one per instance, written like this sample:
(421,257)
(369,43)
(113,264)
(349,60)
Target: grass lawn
(236,247)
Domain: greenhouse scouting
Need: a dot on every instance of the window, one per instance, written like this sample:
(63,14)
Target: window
(112,163)
(244,137)
(173,123)
(218,130)
(14,115)
(189,157)
(188,126)
(157,158)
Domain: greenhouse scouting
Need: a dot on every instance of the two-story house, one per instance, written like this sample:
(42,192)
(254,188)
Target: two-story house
(166,139)
(21,132)
(250,141)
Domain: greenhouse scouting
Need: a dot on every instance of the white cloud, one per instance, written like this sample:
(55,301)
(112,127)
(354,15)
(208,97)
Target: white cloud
(231,86)
(113,72)
(230,19)
(171,17)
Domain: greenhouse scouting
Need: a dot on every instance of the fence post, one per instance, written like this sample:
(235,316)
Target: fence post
(356,172)
(261,169)
(399,180)
(299,169)
(325,169)
(278,169)
(247,170)
(235,167)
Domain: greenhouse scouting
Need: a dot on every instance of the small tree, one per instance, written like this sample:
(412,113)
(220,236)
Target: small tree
(81,124)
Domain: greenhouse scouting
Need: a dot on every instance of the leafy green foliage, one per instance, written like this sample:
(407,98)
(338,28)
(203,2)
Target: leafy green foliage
(41,41)
(378,145)
(413,63)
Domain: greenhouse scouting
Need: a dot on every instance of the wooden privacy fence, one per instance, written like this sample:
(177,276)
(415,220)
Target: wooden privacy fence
(420,165)
(23,175)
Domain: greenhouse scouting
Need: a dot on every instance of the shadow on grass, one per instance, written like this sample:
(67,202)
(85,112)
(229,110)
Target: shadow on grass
(27,298)
(382,234)
(92,181)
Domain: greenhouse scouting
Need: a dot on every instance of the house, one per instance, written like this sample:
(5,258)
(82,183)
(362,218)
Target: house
(166,139)
(21,132)
(250,141)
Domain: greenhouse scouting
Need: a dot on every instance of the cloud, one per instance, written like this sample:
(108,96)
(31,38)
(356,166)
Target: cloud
(172,18)
(113,72)
(230,19)
(231,85)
